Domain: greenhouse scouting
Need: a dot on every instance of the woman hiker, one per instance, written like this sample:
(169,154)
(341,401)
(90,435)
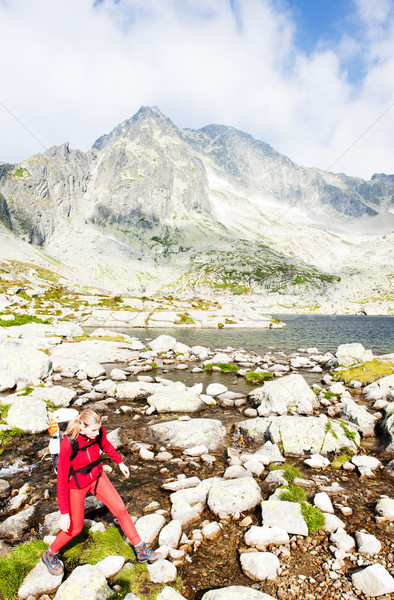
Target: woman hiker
(80,471)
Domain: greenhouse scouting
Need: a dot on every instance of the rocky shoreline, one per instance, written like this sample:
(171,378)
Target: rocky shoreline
(217,471)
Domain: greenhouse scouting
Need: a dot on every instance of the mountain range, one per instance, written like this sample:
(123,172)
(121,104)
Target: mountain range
(154,209)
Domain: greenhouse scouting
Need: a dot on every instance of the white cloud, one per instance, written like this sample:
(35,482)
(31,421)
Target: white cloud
(72,71)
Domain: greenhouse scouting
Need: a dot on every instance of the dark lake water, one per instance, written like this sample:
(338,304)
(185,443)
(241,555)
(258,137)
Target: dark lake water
(301,331)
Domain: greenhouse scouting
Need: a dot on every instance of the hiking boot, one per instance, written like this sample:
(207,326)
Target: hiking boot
(52,562)
(145,554)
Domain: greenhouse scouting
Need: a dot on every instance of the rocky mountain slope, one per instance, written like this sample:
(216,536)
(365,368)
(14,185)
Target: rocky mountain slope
(155,209)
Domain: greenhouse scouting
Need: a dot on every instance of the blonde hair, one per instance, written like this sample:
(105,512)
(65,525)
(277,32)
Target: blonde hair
(86,417)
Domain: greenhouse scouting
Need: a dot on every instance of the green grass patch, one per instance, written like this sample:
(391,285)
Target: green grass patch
(16,565)
(367,372)
(208,367)
(314,518)
(7,435)
(111,302)
(228,368)
(89,547)
(290,472)
(23,320)
(4,408)
(26,392)
(328,395)
(184,319)
(344,456)
(153,365)
(351,435)
(293,493)
(255,377)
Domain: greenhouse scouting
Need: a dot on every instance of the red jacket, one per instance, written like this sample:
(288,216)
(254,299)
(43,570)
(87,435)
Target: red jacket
(65,480)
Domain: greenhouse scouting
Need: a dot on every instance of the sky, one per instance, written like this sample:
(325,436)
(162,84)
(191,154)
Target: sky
(312,78)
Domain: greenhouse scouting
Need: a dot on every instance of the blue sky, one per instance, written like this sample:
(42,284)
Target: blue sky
(313,78)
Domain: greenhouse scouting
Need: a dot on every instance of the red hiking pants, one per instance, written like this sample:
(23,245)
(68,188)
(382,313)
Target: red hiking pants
(106,493)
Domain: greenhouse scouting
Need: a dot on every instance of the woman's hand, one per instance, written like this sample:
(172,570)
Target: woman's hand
(125,469)
(65,522)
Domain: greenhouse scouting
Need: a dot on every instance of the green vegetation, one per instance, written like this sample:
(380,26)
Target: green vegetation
(111,302)
(290,472)
(153,365)
(16,565)
(91,547)
(227,368)
(23,320)
(313,516)
(329,429)
(8,434)
(344,456)
(293,493)
(220,325)
(208,367)
(255,377)
(184,319)
(351,435)
(21,172)
(229,321)
(367,372)
(4,408)
(28,390)
(328,395)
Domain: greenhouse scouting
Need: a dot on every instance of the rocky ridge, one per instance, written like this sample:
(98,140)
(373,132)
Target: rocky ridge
(153,208)
(218,493)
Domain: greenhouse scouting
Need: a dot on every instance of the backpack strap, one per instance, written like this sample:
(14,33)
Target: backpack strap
(74,451)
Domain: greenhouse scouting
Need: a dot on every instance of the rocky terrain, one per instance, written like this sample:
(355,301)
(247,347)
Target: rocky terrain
(153,209)
(278,488)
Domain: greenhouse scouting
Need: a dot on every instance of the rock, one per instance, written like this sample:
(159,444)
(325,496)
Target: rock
(85,582)
(276,477)
(57,395)
(171,534)
(221,357)
(27,414)
(332,523)
(235,472)
(260,565)
(135,389)
(149,527)
(169,593)
(373,581)
(234,495)
(211,531)
(116,437)
(385,508)
(110,565)
(169,400)
(23,363)
(323,502)
(271,452)
(200,351)
(39,581)
(388,426)
(316,461)
(180,484)
(15,526)
(349,354)
(255,467)
(236,592)
(342,540)
(162,344)
(298,435)
(360,416)
(368,462)
(4,488)
(215,389)
(367,544)
(195,432)
(389,468)
(196,494)
(6,382)
(93,369)
(196,451)
(78,354)
(277,397)
(286,515)
(260,537)
(162,571)
(118,375)
(185,513)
